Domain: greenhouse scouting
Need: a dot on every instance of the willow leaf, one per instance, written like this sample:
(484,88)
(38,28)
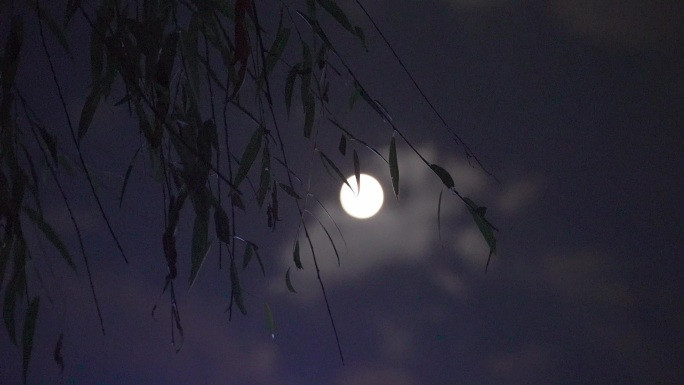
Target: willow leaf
(10,60)
(277,48)
(289,86)
(248,156)
(222,225)
(270,322)
(296,257)
(288,281)
(394,166)
(485,228)
(357,172)
(328,162)
(336,12)
(443,175)
(89,108)
(247,256)
(439,217)
(309,114)
(236,289)
(200,244)
(29,331)
(265,181)
(50,234)
(127,176)
(342,147)
(289,191)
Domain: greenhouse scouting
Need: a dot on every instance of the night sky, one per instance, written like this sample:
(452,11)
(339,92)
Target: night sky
(576,107)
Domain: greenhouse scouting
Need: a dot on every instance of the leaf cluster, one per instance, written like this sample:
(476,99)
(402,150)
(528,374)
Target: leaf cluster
(183,70)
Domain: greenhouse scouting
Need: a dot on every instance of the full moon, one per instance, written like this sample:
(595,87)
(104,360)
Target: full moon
(367,203)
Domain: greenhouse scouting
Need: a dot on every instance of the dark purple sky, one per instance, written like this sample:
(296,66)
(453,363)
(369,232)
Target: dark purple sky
(577,108)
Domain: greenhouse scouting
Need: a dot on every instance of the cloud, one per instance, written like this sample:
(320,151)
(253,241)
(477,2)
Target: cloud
(404,232)
(586,277)
(528,364)
(518,195)
(633,24)
(374,376)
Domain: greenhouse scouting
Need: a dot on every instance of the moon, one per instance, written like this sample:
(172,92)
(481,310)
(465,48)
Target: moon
(367,203)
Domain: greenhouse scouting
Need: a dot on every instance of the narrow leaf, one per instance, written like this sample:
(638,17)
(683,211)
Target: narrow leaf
(332,165)
(485,228)
(127,176)
(52,25)
(327,233)
(10,60)
(288,281)
(439,218)
(50,142)
(258,257)
(289,191)
(89,107)
(342,147)
(166,60)
(354,97)
(57,354)
(236,289)
(443,175)
(394,166)
(13,292)
(357,172)
(265,181)
(50,234)
(309,114)
(248,156)
(222,225)
(247,256)
(289,86)
(97,36)
(29,331)
(270,322)
(297,260)
(71,8)
(277,48)
(200,245)
(333,9)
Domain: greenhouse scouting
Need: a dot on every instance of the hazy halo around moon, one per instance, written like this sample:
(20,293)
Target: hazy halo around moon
(367,203)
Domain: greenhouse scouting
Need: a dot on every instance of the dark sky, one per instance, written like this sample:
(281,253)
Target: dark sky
(575,106)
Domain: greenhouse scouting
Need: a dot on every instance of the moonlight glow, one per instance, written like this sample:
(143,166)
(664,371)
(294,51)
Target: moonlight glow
(367,203)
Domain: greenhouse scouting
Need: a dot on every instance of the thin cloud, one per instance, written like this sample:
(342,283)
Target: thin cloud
(633,24)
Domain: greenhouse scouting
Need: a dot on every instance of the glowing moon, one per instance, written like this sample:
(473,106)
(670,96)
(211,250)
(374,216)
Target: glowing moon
(367,203)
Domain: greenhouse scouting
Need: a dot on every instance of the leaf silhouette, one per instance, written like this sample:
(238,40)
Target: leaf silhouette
(394,166)
(289,86)
(342,147)
(485,228)
(357,172)
(289,190)
(89,108)
(439,217)
(127,176)
(248,156)
(296,257)
(50,234)
(288,281)
(222,225)
(200,234)
(328,162)
(247,257)
(443,175)
(270,321)
(27,338)
(236,289)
